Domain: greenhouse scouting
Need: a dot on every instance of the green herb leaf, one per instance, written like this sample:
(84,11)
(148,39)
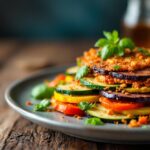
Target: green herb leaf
(94,121)
(86,105)
(112,45)
(42,106)
(83,71)
(115,36)
(120,51)
(101,42)
(99,53)
(107,51)
(126,43)
(108,35)
(144,51)
(42,91)
(117,67)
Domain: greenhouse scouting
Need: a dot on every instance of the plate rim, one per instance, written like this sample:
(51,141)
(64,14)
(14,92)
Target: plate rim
(36,117)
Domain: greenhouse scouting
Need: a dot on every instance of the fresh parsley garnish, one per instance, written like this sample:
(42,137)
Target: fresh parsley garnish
(112,45)
(144,51)
(83,71)
(116,67)
(86,105)
(94,121)
(42,106)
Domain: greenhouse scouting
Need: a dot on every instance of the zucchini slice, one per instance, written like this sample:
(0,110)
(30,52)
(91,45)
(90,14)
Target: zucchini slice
(75,89)
(138,90)
(103,113)
(138,111)
(75,99)
(72,70)
(92,83)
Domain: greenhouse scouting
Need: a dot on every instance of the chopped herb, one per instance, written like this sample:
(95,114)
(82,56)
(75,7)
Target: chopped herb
(112,45)
(86,105)
(117,67)
(42,106)
(83,71)
(144,51)
(94,121)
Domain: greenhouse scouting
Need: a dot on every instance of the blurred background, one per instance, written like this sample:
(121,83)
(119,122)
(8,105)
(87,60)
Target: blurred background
(37,34)
(69,26)
(59,19)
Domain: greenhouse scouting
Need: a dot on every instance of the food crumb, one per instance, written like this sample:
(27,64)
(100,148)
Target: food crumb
(28,103)
(116,122)
(124,121)
(78,117)
(133,123)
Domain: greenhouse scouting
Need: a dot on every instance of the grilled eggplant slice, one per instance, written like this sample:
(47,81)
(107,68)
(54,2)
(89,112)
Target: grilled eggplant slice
(134,76)
(126,97)
(99,70)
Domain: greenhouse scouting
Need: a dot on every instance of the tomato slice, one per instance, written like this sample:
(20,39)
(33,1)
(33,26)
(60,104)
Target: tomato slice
(119,106)
(57,80)
(68,109)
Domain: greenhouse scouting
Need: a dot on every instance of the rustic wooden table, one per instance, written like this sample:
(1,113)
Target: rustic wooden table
(20,59)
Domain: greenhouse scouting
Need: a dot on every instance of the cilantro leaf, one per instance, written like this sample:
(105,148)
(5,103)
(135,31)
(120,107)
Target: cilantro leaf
(86,105)
(42,106)
(83,71)
(94,121)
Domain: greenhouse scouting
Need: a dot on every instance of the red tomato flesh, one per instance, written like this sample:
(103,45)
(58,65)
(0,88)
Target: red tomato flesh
(68,109)
(119,106)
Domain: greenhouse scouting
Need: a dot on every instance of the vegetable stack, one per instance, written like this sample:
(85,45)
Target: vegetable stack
(110,82)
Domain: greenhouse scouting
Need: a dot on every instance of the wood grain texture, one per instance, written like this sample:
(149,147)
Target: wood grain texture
(17,133)
(26,135)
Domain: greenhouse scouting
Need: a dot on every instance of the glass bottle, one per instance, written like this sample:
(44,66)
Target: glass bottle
(136,22)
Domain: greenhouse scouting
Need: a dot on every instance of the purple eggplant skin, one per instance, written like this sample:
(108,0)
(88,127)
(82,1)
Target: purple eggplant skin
(99,70)
(126,97)
(140,75)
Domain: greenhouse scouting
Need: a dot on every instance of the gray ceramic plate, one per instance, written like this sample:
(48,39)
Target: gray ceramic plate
(18,92)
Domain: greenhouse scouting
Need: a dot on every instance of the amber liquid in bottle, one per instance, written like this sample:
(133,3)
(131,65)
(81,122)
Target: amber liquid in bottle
(136,23)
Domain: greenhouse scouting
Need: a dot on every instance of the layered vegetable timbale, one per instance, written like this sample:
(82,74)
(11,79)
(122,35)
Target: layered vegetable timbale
(109,82)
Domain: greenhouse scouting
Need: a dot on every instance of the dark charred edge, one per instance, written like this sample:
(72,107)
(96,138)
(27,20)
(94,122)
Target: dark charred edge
(125,97)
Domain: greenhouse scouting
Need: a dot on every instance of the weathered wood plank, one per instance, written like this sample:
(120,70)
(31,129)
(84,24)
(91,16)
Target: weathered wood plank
(34,54)
(7,120)
(26,135)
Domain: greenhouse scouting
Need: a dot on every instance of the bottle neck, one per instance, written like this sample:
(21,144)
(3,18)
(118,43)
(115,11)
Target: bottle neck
(138,11)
